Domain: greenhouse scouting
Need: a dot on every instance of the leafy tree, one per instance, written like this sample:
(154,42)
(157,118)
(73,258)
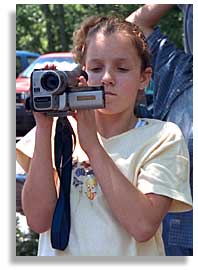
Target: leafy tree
(30,26)
(26,243)
(49,27)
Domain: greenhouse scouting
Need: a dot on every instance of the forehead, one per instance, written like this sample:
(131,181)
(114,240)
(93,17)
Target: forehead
(116,45)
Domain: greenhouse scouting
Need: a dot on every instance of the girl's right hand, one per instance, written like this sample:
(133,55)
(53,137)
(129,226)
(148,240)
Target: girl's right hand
(43,121)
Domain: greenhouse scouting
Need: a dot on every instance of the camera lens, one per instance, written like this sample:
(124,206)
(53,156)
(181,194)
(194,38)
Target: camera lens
(50,81)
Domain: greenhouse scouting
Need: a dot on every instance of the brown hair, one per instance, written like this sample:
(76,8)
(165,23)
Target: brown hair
(107,26)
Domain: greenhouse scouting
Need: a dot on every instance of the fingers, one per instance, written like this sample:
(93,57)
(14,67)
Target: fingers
(42,120)
(82,81)
(74,115)
(50,66)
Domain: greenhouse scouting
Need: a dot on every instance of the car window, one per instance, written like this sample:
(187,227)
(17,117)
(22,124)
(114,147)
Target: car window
(18,66)
(23,62)
(61,63)
(30,59)
(149,92)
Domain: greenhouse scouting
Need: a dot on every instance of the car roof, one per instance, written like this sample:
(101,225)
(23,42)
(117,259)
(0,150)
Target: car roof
(28,53)
(57,54)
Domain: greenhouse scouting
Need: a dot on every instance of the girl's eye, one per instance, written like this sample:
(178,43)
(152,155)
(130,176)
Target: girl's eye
(95,69)
(121,69)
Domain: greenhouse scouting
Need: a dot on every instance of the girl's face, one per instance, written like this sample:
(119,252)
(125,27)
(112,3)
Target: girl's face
(113,61)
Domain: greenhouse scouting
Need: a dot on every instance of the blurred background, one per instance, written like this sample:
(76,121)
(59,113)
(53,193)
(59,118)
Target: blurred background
(48,28)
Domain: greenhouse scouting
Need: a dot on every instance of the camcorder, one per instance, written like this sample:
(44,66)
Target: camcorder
(57,93)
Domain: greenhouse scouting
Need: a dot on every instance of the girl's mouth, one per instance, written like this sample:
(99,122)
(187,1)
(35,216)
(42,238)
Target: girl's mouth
(108,93)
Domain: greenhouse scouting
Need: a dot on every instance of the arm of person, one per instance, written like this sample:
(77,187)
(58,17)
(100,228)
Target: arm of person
(39,193)
(140,214)
(172,67)
(148,16)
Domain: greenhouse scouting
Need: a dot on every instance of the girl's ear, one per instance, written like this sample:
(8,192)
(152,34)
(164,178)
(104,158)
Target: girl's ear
(145,78)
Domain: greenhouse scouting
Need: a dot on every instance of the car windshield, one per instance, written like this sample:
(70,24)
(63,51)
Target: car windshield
(61,63)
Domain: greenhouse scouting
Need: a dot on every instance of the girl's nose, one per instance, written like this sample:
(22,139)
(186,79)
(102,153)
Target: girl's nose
(108,78)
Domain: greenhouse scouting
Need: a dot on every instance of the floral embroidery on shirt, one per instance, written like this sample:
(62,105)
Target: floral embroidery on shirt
(84,179)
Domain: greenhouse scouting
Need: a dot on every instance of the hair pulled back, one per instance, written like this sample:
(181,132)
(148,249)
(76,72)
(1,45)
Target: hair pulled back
(107,26)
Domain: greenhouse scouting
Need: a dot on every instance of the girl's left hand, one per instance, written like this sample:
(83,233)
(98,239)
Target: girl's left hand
(87,131)
(86,126)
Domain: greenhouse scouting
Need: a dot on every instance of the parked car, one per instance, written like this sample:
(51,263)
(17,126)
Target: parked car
(24,59)
(24,119)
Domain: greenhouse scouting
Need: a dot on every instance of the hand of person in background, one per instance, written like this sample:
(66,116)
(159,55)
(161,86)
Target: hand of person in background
(149,16)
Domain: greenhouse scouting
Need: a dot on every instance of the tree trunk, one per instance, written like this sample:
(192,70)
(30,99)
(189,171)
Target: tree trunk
(48,15)
(61,24)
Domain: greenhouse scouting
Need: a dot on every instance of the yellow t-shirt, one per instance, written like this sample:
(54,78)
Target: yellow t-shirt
(154,158)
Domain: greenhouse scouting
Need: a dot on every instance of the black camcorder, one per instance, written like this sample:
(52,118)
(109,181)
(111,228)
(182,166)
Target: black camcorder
(57,93)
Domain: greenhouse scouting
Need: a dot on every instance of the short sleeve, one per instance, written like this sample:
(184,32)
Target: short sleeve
(25,147)
(166,170)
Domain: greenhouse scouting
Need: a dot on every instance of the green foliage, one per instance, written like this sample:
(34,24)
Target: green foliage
(172,26)
(30,28)
(26,243)
(49,27)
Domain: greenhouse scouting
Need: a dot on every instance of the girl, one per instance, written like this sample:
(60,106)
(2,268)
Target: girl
(128,172)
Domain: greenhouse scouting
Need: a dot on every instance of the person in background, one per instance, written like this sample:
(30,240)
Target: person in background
(173,101)
(187,10)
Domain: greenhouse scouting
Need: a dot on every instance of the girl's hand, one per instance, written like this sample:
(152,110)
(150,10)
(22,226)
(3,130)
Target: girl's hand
(86,125)
(87,131)
(42,121)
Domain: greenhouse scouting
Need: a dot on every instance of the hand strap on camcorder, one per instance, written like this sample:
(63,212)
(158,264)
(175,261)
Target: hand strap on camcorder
(60,228)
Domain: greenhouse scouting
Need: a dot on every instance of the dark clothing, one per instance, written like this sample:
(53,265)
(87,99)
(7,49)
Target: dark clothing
(187,26)
(173,101)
